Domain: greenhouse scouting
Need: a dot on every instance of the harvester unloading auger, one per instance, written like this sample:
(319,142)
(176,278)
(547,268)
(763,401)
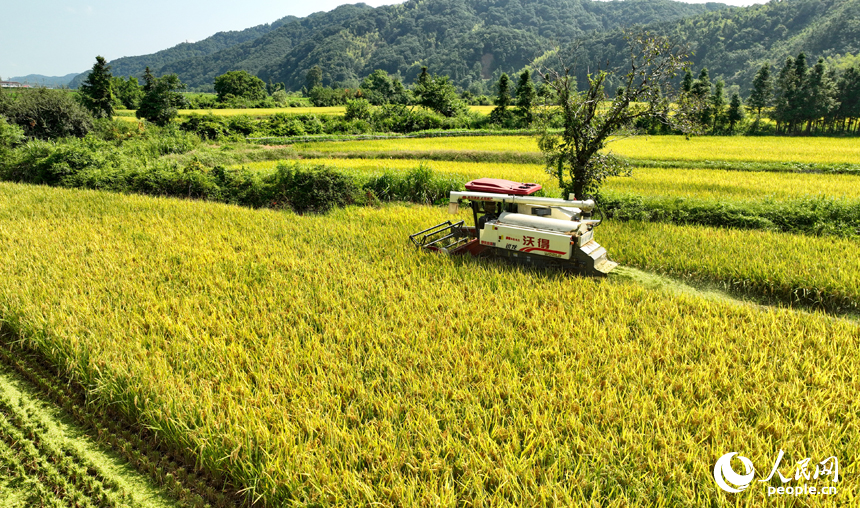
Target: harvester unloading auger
(511,223)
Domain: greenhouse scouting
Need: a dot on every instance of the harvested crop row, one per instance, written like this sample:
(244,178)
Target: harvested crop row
(50,463)
(177,476)
(322,360)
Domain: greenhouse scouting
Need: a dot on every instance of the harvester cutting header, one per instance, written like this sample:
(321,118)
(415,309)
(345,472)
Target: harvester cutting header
(512,223)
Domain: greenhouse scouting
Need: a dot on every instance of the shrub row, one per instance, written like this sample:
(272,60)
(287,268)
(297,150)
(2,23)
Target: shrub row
(816,216)
(92,163)
(356,121)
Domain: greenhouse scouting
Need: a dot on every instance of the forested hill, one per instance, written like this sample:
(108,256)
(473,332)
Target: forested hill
(135,65)
(733,44)
(469,40)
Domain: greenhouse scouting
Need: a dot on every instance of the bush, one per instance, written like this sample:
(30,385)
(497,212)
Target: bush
(10,134)
(207,127)
(46,162)
(281,99)
(358,109)
(419,185)
(315,189)
(48,114)
(283,124)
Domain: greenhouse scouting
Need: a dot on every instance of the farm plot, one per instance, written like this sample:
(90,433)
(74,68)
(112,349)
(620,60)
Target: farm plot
(322,360)
(771,153)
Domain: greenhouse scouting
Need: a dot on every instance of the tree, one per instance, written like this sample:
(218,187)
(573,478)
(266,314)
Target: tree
(573,156)
(687,83)
(379,88)
(161,98)
(701,90)
(240,84)
(783,95)
(96,92)
(127,92)
(437,93)
(848,96)
(736,111)
(761,95)
(500,113)
(718,102)
(313,78)
(819,92)
(526,96)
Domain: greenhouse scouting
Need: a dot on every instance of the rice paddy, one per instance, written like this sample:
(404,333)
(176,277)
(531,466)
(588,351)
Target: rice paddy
(661,148)
(321,360)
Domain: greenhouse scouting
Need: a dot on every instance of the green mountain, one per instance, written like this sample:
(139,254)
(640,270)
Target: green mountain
(42,80)
(135,65)
(733,44)
(470,40)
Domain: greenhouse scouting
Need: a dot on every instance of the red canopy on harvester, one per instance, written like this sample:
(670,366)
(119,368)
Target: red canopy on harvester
(499,186)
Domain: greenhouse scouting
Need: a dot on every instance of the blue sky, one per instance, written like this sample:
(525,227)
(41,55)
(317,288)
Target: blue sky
(59,37)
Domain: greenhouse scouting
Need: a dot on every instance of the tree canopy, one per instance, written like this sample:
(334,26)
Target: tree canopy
(574,156)
(96,91)
(161,98)
(239,84)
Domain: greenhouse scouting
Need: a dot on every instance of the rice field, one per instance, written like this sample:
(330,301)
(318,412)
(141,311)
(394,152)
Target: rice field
(458,143)
(322,360)
(263,112)
(660,148)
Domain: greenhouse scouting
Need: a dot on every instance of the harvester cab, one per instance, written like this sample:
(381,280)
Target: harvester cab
(510,222)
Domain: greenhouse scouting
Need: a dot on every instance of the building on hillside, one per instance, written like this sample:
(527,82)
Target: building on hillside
(12,84)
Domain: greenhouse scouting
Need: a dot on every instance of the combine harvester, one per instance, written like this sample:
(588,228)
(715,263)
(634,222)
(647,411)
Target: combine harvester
(513,224)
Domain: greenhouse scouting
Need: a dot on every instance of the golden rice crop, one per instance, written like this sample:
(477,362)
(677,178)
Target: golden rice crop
(740,148)
(260,112)
(474,143)
(706,148)
(322,360)
(719,185)
(777,265)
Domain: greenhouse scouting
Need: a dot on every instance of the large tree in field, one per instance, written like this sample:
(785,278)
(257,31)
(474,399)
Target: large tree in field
(761,95)
(589,119)
(239,84)
(161,98)
(96,92)
(500,113)
(437,93)
(526,96)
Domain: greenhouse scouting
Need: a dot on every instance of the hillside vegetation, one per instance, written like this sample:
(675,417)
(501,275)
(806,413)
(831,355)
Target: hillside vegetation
(469,40)
(733,44)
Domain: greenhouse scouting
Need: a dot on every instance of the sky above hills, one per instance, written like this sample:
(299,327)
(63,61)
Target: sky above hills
(58,37)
